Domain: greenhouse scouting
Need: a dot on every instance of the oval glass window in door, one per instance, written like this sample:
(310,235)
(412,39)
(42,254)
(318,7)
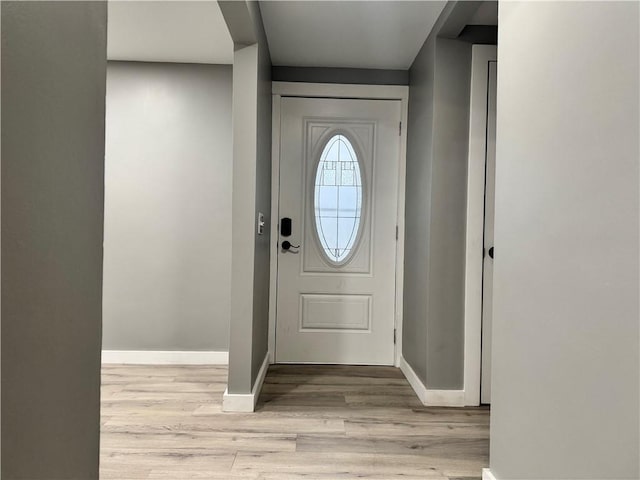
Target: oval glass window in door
(338,199)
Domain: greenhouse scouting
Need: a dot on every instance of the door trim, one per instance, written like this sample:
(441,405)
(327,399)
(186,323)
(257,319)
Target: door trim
(327,90)
(481,56)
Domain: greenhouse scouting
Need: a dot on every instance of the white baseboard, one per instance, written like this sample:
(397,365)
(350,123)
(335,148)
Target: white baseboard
(246,402)
(432,398)
(414,381)
(487,475)
(165,357)
(445,398)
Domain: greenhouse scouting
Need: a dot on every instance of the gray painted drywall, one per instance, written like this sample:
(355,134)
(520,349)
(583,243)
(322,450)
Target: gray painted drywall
(53,92)
(262,266)
(245,91)
(251,194)
(167,269)
(363,76)
(418,208)
(565,325)
(445,310)
(237,16)
(433,325)
(455,16)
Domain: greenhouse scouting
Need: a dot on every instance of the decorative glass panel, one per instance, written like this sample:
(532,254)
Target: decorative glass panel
(338,198)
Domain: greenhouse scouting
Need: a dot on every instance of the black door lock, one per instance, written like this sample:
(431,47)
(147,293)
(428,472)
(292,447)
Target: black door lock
(285,227)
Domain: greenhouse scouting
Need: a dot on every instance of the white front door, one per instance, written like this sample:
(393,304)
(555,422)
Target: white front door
(489,213)
(338,200)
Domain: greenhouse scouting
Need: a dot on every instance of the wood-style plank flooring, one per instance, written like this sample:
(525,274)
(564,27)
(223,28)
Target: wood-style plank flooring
(312,422)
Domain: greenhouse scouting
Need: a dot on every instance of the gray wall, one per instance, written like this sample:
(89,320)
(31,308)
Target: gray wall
(261,272)
(433,326)
(565,327)
(251,193)
(445,310)
(53,91)
(245,65)
(167,268)
(364,76)
(418,208)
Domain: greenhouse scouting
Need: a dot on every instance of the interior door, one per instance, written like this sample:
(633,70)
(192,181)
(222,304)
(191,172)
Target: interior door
(337,231)
(489,213)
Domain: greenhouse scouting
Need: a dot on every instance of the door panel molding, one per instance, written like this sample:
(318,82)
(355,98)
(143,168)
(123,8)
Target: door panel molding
(314,90)
(317,314)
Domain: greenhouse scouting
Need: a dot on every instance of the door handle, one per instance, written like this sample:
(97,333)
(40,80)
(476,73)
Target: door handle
(286,245)
(491,252)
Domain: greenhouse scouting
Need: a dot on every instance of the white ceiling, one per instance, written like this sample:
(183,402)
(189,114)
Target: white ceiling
(358,34)
(168,31)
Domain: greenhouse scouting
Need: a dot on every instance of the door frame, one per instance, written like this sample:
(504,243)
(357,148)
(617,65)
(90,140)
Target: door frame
(481,56)
(346,91)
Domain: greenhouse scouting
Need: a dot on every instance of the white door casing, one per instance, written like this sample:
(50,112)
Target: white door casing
(338,309)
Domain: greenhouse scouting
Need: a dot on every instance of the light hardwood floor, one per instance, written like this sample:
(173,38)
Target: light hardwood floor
(312,422)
